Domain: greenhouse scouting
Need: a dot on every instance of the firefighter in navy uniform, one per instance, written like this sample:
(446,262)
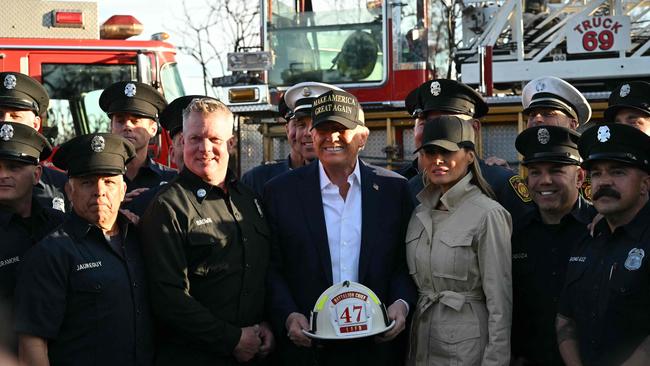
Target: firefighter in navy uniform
(24,100)
(134,108)
(629,104)
(23,221)
(603,317)
(81,295)
(299,99)
(543,239)
(450,97)
(206,245)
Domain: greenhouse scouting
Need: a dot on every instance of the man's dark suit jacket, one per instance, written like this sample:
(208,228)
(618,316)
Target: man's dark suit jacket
(301,267)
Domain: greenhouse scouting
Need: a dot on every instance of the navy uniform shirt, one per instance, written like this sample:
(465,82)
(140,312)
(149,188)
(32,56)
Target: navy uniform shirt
(540,253)
(50,191)
(258,176)
(607,291)
(18,235)
(508,187)
(151,174)
(207,253)
(87,296)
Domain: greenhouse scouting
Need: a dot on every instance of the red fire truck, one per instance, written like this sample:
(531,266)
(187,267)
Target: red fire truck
(380,50)
(60,44)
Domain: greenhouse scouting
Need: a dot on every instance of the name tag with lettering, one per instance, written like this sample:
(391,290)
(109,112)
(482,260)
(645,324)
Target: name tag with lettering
(201,222)
(89,265)
(8,261)
(577,259)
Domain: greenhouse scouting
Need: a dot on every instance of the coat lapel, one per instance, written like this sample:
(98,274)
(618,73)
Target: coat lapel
(312,205)
(370,209)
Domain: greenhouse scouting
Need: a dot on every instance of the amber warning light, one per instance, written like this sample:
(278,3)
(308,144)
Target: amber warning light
(68,18)
(120,27)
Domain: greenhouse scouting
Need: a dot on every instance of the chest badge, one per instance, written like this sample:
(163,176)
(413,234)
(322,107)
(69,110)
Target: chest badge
(201,193)
(634,259)
(58,204)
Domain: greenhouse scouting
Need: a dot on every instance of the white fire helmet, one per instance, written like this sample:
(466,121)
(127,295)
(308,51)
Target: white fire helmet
(348,310)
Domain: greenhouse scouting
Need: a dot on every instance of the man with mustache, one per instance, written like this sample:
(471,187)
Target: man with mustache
(134,108)
(603,316)
(81,295)
(544,239)
(295,108)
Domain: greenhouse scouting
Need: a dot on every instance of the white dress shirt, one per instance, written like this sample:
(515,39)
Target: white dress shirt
(343,222)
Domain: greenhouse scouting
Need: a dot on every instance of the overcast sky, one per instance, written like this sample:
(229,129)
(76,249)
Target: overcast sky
(158,16)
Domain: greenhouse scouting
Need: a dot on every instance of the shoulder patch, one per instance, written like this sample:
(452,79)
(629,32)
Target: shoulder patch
(519,186)
(585,189)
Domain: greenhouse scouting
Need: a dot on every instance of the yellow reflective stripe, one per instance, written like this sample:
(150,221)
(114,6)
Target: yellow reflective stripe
(374,297)
(321,303)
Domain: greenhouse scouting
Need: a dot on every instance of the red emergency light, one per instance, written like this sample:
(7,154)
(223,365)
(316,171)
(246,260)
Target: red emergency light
(120,27)
(68,18)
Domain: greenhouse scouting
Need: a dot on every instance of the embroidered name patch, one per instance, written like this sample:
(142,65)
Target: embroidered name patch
(205,221)
(89,265)
(8,261)
(577,259)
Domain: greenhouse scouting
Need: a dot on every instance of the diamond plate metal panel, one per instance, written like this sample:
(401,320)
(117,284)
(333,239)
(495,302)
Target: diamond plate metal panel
(409,144)
(33,19)
(281,148)
(250,146)
(499,140)
(374,146)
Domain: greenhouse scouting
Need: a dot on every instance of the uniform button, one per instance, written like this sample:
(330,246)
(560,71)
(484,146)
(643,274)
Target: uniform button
(245,239)
(248,265)
(427,281)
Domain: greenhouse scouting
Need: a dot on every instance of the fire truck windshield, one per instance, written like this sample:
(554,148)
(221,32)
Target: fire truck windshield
(339,42)
(74,91)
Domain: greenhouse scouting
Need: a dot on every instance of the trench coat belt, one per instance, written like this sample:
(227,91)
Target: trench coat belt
(454,300)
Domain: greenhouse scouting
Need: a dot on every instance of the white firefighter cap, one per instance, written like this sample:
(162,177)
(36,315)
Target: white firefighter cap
(299,98)
(348,310)
(552,92)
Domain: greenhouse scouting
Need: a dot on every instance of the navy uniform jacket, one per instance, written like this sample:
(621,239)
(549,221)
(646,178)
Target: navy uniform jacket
(540,254)
(301,268)
(207,255)
(50,191)
(258,176)
(607,291)
(508,187)
(18,236)
(87,296)
(151,174)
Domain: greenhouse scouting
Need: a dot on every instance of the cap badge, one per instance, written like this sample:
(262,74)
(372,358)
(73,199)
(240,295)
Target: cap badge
(97,144)
(603,134)
(634,259)
(10,81)
(543,136)
(129,90)
(435,88)
(306,92)
(201,193)
(540,86)
(58,204)
(6,132)
(625,90)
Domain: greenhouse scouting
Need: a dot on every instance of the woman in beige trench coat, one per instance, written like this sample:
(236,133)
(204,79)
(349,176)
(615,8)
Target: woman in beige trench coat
(458,253)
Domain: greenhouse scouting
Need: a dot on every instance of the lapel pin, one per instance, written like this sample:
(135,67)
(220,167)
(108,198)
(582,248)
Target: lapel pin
(375,186)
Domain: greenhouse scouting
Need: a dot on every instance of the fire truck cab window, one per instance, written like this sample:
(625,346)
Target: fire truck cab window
(171,82)
(332,41)
(74,98)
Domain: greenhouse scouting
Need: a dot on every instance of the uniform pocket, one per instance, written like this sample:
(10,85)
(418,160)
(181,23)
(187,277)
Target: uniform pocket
(205,250)
(451,258)
(413,237)
(461,342)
